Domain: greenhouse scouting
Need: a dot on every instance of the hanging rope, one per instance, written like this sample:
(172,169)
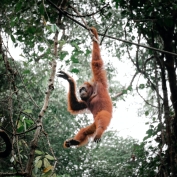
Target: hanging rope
(122,40)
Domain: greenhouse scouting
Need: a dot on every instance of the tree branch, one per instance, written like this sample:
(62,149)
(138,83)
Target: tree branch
(121,93)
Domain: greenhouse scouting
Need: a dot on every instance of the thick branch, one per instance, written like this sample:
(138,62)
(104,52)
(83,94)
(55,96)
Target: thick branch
(34,142)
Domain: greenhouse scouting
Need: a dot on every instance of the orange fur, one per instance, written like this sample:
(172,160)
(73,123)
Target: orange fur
(99,103)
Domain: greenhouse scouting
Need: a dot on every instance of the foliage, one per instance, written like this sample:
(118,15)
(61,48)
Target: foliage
(30,26)
(155,23)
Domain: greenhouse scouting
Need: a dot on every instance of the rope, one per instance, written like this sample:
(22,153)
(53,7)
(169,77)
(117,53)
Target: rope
(122,40)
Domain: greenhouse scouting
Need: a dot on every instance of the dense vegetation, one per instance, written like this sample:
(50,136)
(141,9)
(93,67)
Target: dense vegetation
(33,103)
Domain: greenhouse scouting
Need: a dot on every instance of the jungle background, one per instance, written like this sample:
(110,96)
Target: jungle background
(53,35)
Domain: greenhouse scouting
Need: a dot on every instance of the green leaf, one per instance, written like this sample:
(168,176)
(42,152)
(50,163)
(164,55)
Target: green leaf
(75,71)
(26,71)
(13,21)
(129,88)
(149,132)
(74,44)
(48,174)
(145,138)
(74,59)
(124,91)
(24,123)
(46,163)
(39,164)
(37,159)
(29,111)
(136,145)
(49,157)
(20,127)
(12,38)
(41,9)
(38,152)
(117,4)
(40,48)
(35,169)
(88,52)
(31,29)
(53,28)
(29,122)
(141,86)
(18,6)
(146,113)
(63,54)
